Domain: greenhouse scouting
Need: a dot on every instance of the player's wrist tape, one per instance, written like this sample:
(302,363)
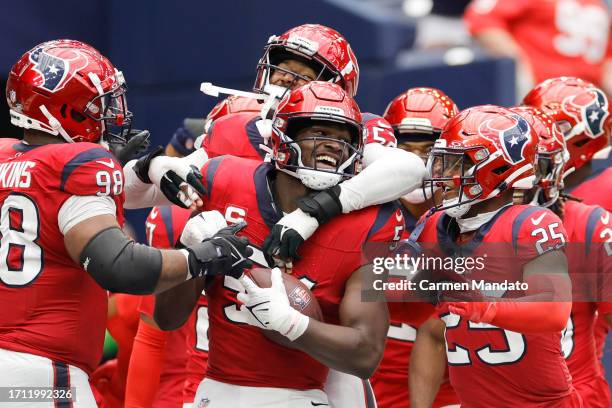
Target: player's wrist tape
(142,165)
(323,205)
(119,264)
(295,325)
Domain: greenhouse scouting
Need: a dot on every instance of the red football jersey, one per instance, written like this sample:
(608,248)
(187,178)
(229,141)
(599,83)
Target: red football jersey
(489,366)
(164,225)
(237,134)
(49,306)
(584,225)
(197,349)
(390,381)
(239,353)
(559,37)
(596,190)
(190,342)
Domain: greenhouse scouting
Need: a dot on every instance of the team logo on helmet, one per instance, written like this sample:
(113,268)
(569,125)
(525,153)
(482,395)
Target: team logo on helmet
(591,108)
(512,139)
(56,71)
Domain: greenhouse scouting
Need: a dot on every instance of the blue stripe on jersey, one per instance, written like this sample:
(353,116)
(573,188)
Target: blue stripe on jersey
(385,211)
(255,137)
(409,220)
(594,216)
(81,159)
(594,173)
(166,214)
(518,222)
(265,201)
(22,147)
(61,380)
(211,170)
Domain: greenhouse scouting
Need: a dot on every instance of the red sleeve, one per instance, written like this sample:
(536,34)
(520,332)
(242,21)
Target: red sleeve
(92,171)
(145,366)
(482,15)
(378,130)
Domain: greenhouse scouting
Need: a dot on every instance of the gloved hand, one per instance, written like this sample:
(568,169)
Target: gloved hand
(269,308)
(322,205)
(175,177)
(136,143)
(223,254)
(287,235)
(200,227)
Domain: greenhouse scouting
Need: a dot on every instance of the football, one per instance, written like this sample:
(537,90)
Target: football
(300,298)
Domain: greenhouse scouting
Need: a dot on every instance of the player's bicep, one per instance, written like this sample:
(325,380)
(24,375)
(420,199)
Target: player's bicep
(363,307)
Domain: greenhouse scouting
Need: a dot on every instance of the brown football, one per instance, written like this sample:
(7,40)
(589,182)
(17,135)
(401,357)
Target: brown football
(300,298)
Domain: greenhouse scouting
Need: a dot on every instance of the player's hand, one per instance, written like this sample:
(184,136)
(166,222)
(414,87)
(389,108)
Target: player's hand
(287,235)
(269,308)
(477,312)
(136,143)
(177,179)
(223,254)
(322,205)
(201,226)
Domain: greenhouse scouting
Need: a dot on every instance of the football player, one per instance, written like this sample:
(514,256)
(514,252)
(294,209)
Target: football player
(501,350)
(303,54)
(582,112)
(314,123)
(585,225)
(417,116)
(61,199)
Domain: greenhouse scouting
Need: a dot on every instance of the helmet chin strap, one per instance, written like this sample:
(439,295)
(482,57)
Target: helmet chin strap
(54,127)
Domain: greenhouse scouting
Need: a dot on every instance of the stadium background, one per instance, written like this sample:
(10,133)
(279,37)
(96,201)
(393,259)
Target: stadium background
(166,50)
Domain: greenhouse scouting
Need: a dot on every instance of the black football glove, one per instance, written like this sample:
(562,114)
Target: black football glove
(223,254)
(287,235)
(171,182)
(323,205)
(137,142)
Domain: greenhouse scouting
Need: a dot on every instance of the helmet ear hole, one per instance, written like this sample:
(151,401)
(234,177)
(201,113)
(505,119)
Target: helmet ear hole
(501,170)
(77,116)
(63,110)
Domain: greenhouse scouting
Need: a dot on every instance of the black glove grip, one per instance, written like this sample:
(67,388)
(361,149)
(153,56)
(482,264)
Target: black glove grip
(323,205)
(141,168)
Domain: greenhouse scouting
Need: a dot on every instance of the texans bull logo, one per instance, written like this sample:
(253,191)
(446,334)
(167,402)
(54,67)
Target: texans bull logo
(56,71)
(511,132)
(590,107)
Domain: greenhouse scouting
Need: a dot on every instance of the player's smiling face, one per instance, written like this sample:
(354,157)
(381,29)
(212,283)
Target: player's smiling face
(292,73)
(451,167)
(322,147)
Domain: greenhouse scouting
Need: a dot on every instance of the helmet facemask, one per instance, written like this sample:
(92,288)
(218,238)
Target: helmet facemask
(298,49)
(549,177)
(454,166)
(318,160)
(110,108)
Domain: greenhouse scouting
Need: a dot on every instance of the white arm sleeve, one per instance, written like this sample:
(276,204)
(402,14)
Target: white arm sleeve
(79,208)
(389,173)
(139,194)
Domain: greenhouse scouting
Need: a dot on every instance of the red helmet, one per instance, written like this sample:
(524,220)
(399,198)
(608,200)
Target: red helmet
(551,154)
(313,103)
(68,88)
(420,114)
(484,151)
(231,104)
(320,47)
(582,113)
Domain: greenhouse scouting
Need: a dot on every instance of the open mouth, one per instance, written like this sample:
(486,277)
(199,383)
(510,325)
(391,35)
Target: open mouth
(325,161)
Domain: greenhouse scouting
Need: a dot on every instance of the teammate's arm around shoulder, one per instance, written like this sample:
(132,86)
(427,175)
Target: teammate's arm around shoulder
(356,345)
(427,363)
